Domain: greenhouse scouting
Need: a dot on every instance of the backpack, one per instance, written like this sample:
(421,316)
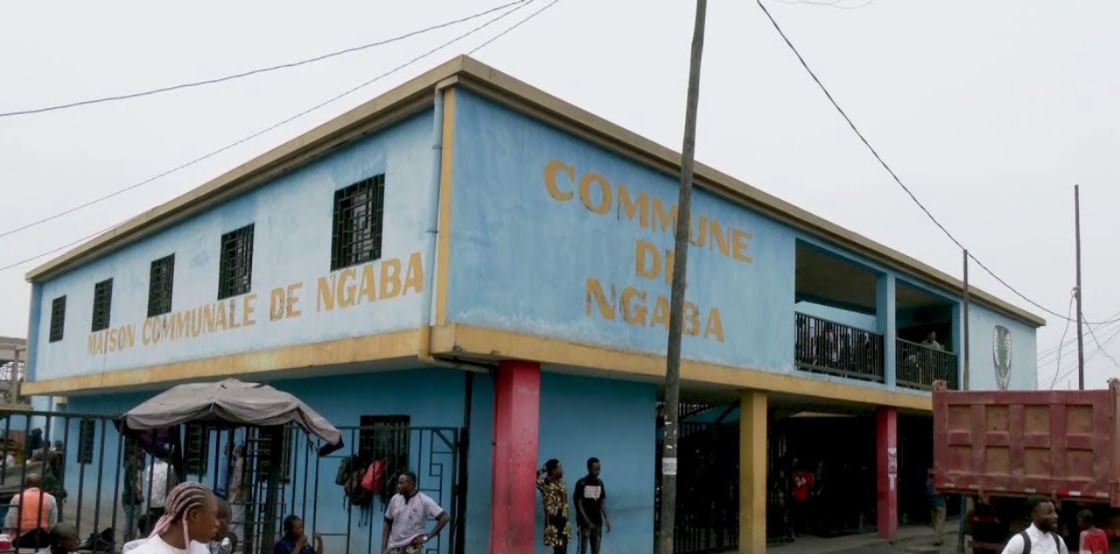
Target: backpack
(345,466)
(374,479)
(1027,542)
(356,494)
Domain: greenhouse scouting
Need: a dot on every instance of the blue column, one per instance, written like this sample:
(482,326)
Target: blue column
(885,312)
(958,340)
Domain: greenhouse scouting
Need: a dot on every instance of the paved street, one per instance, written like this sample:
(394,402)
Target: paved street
(911,540)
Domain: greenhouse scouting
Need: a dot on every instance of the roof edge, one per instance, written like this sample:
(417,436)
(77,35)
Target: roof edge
(474,74)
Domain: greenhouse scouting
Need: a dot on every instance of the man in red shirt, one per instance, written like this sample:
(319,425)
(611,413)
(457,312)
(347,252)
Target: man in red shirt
(803,483)
(1093,540)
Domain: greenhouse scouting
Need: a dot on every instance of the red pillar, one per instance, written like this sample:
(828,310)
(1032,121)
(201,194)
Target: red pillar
(887,456)
(517,400)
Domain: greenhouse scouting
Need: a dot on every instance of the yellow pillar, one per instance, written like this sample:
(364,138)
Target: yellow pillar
(752,472)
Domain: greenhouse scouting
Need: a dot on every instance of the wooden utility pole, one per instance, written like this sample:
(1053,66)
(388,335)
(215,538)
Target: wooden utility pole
(676,305)
(964,381)
(1080,333)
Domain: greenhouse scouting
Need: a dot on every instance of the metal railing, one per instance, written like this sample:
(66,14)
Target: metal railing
(822,346)
(104,484)
(917,366)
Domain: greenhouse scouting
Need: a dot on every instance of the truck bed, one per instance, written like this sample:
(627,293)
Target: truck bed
(1061,444)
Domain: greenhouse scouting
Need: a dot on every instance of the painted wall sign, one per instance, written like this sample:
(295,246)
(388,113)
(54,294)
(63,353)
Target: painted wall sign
(1001,355)
(555,236)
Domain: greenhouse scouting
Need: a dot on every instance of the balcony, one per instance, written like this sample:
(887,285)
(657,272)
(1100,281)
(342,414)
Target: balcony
(830,348)
(918,366)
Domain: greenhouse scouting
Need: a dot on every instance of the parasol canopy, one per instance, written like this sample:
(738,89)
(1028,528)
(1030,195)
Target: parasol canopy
(231,402)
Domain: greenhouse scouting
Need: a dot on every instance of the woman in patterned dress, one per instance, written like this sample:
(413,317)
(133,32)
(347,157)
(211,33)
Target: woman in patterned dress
(557,529)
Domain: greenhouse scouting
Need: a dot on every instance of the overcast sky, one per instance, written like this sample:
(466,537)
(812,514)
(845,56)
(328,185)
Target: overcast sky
(990,111)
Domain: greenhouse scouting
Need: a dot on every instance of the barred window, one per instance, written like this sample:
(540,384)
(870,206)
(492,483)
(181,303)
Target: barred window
(384,437)
(267,439)
(196,449)
(58,318)
(87,429)
(235,269)
(102,304)
(358,219)
(160,284)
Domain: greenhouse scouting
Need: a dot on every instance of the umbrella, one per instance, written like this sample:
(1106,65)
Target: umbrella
(230,402)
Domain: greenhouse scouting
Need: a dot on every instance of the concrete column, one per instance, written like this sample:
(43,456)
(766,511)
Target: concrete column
(517,399)
(887,317)
(752,472)
(887,460)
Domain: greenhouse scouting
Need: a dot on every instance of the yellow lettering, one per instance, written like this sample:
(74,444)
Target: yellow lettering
(667,218)
(550,171)
(367,290)
(390,278)
(233,323)
(276,304)
(208,317)
(639,207)
(634,313)
(718,239)
(739,238)
(247,308)
(604,205)
(414,275)
(293,300)
(176,325)
(691,319)
(112,340)
(131,329)
(196,322)
(220,319)
(145,332)
(345,289)
(648,260)
(595,294)
(715,325)
(661,313)
(325,299)
(91,344)
(165,327)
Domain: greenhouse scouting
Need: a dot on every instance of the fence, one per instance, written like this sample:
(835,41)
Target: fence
(822,346)
(707,519)
(266,473)
(918,366)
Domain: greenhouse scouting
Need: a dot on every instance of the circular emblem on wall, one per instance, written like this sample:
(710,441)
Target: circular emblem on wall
(1001,355)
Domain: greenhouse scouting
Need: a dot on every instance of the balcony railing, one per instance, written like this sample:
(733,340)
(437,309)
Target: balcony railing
(823,346)
(918,366)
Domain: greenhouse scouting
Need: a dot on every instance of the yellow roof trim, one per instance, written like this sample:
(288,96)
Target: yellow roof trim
(417,93)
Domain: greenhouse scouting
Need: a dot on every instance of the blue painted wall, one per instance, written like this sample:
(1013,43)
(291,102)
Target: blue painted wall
(1024,351)
(614,421)
(522,257)
(293,218)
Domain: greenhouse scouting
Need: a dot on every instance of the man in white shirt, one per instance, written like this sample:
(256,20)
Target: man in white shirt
(155,484)
(1040,537)
(404,530)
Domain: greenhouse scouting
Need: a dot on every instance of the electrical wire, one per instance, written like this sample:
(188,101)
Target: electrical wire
(183,166)
(1093,334)
(305,112)
(511,28)
(894,175)
(257,71)
(1100,349)
(1058,364)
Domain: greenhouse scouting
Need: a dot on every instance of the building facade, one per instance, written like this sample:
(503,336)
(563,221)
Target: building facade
(468,253)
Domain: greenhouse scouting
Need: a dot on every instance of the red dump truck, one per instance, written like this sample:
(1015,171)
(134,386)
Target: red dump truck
(998,447)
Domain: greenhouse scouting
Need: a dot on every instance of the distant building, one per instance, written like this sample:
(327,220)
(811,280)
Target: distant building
(468,252)
(13,357)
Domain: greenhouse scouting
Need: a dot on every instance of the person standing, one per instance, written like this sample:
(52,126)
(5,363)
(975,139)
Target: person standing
(554,494)
(157,485)
(406,517)
(1040,535)
(591,508)
(1093,540)
(803,483)
(132,497)
(936,511)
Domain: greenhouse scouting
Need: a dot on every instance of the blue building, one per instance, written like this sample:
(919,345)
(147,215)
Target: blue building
(486,267)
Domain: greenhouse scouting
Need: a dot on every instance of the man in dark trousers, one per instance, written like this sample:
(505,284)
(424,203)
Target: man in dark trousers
(591,508)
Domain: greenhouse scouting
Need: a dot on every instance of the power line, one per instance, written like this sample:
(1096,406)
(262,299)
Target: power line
(1058,364)
(512,27)
(893,175)
(178,168)
(305,112)
(1103,351)
(1093,354)
(257,71)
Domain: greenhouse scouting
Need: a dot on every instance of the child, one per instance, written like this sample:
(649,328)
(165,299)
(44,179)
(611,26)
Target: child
(188,524)
(1093,540)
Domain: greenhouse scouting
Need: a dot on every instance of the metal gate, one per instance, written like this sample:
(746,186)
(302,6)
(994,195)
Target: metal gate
(707,488)
(267,474)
